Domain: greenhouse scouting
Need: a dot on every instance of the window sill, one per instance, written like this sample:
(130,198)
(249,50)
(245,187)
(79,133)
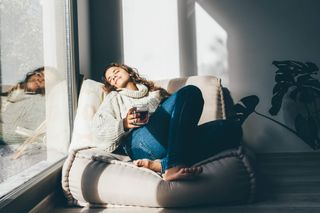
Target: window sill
(29,194)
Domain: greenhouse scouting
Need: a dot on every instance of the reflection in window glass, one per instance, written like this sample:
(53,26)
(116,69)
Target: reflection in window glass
(150,37)
(34,128)
(212,53)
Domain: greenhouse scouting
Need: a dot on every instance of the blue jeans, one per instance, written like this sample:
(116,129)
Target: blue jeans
(173,135)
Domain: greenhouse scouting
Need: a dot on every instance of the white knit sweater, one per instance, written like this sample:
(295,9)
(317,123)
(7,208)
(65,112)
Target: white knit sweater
(107,124)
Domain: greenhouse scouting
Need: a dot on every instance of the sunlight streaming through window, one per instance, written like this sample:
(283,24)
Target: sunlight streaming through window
(150,34)
(211,46)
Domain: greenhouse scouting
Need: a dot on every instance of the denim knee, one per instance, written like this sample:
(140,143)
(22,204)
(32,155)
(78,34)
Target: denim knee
(236,132)
(193,93)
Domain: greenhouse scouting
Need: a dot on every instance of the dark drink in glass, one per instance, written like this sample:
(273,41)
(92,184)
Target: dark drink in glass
(143,112)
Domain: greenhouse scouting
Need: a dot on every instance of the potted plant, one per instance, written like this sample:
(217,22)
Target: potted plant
(296,80)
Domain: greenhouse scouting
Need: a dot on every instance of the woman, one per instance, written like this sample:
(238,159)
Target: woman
(34,83)
(171,141)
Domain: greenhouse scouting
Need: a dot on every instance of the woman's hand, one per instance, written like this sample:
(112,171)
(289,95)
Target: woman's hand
(130,120)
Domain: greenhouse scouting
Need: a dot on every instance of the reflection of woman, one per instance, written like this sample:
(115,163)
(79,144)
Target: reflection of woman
(34,83)
(23,108)
(171,141)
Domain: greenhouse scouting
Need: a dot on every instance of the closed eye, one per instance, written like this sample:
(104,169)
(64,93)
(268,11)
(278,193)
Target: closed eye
(110,78)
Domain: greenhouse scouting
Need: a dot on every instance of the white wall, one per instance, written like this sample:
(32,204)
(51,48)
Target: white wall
(260,32)
(84,37)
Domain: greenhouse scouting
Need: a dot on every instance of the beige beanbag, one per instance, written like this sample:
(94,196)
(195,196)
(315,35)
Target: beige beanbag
(94,177)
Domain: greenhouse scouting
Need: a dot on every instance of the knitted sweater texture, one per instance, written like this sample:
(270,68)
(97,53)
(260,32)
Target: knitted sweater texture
(107,124)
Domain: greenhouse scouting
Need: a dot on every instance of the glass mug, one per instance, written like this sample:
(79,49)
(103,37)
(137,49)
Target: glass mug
(143,111)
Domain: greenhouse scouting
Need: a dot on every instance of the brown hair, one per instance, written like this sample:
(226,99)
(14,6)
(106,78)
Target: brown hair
(135,77)
(27,79)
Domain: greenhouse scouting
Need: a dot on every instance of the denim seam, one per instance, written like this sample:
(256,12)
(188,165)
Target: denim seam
(146,149)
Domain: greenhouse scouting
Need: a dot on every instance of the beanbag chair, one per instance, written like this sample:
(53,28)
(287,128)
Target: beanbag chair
(94,177)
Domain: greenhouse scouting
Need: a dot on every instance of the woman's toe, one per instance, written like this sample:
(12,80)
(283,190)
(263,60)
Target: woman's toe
(136,162)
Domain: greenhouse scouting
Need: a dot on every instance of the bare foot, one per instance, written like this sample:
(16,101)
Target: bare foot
(154,165)
(181,173)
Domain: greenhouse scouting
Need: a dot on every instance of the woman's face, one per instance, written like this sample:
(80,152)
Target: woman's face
(36,82)
(117,77)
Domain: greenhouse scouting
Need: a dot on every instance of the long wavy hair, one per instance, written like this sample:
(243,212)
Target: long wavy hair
(135,77)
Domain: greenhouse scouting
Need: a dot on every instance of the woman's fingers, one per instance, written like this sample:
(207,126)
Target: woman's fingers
(132,110)
(132,125)
(129,124)
(132,118)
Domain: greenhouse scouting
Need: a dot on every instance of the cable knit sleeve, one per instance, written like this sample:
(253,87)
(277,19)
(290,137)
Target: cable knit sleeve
(107,124)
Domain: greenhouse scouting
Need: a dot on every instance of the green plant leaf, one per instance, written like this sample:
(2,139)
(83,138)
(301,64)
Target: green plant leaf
(293,94)
(284,77)
(308,86)
(307,79)
(307,130)
(281,87)
(280,64)
(297,67)
(306,96)
(312,67)
(276,103)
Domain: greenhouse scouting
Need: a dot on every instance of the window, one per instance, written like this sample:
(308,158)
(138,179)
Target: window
(35,96)
(167,39)
(212,52)
(150,37)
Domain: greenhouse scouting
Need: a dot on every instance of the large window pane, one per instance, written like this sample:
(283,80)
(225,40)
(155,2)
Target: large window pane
(34,96)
